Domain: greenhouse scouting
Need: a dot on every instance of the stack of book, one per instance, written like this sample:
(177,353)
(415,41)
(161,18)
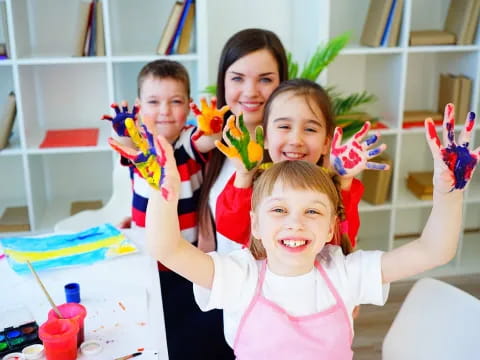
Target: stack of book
(14,219)
(177,33)
(91,37)
(376,182)
(416,118)
(421,184)
(456,89)
(382,24)
(4,47)
(459,28)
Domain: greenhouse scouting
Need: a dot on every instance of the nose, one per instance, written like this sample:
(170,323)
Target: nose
(164,108)
(295,137)
(294,221)
(250,88)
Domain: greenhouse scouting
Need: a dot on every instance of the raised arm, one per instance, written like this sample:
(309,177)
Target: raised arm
(164,240)
(454,164)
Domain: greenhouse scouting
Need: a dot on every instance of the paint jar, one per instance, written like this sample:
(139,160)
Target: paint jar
(75,312)
(59,338)
(14,356)
(72,293)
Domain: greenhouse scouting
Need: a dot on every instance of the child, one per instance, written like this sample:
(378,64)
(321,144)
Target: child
(163,98)
(252,64)
(291,296)
(299,125)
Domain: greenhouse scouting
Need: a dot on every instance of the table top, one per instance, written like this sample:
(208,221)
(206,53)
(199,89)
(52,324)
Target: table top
(122,297)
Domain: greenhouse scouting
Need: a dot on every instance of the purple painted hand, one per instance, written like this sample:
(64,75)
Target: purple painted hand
(118,122)
(170,180)
(351,158)
(454,163)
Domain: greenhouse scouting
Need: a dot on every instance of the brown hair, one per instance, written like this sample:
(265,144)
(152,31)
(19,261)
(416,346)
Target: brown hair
(163,69)
(240,44)
(316,98)
(306,176)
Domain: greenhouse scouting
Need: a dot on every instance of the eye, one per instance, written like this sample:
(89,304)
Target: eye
(313,212)
(266,80)
(178,101)
(278,210)
(313,130)
(153,102)
(237,78)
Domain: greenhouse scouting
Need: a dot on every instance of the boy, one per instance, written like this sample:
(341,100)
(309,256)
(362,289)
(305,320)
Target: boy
(163,102)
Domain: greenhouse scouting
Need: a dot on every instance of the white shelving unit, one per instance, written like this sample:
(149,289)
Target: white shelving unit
(55,89)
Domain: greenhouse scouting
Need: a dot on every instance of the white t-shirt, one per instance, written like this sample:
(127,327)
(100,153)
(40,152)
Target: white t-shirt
(224,244)
(356,277)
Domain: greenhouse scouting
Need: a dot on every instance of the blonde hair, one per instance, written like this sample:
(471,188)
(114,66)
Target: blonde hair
(300,175)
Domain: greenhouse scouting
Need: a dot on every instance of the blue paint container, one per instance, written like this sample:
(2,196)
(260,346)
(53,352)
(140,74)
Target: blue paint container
(72,293)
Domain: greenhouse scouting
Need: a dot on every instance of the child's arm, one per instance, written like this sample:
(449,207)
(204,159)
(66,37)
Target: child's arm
(164,239)
(210,122)
(453,167)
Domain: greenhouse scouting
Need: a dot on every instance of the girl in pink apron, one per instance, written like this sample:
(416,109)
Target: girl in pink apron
(290,296)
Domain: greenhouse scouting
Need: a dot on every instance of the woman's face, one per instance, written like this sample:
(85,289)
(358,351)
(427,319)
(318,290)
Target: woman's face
(249,81)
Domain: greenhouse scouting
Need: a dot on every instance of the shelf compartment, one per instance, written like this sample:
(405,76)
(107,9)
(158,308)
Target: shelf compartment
(58,179)
(423,76)
(39,36)
(379,74)
(63,96)
(470,247)
(12,182)
(374,230)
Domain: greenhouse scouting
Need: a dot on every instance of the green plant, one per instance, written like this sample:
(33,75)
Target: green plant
(345,106)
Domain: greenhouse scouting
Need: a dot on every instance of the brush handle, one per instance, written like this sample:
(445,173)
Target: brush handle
(54,307)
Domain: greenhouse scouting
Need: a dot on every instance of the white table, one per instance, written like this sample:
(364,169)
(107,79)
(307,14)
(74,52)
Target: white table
(122,297)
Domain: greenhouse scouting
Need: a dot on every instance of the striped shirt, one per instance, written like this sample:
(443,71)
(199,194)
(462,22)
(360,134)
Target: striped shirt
(189,163)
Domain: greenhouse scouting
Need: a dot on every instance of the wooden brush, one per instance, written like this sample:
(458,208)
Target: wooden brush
(54,307)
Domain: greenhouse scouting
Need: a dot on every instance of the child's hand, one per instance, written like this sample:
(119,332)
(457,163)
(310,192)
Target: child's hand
(118,122)
(209,118)
(145,158)
(170,179)
(239,146)
(453,164)
(351,158)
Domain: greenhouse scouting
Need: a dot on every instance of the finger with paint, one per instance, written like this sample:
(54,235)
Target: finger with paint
(240,145)
(352,157)
(209,118)
(454,163)
(121,115)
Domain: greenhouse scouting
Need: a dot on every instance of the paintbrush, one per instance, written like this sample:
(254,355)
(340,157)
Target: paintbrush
(128,356)
(44,290)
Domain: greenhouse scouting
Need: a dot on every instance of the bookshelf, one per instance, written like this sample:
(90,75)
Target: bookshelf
(402,77)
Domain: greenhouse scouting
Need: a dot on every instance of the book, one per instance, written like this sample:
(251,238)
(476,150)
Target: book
(421,184)
(82,27)
(396,22)
(375,22)
(376,182)
(463,106)
(178,29)
(416,118)
(70,138)
(472,23)
(448,91)
(457,19)
(88,36)
(170,27)
(90,51)
(388,26)
(431,37)
(78,206)
(7,119)
(187,31)
(3,14)
(15,219)
(100,33)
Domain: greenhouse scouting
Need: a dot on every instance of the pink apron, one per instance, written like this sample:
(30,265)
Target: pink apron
(266,331)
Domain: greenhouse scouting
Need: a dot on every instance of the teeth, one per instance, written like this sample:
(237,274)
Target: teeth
(250,105)
(294,155)
(294,243)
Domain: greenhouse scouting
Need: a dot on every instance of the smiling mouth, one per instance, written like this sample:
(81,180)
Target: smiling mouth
(294,244)
(293,155)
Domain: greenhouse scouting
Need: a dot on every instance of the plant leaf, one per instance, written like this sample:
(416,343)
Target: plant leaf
(210,90)
(292,66)
(344,105)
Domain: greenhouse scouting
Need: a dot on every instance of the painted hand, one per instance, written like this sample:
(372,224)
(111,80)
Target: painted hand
(118,122)
(239,145)
(454,163)
(144,157)
(351,158)
(209,118)
(170,179)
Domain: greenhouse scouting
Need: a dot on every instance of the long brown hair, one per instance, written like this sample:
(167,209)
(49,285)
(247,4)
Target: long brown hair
(305,176)
(240,44)
(316,98)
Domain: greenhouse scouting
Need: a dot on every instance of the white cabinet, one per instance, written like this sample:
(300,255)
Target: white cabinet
(56,90)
